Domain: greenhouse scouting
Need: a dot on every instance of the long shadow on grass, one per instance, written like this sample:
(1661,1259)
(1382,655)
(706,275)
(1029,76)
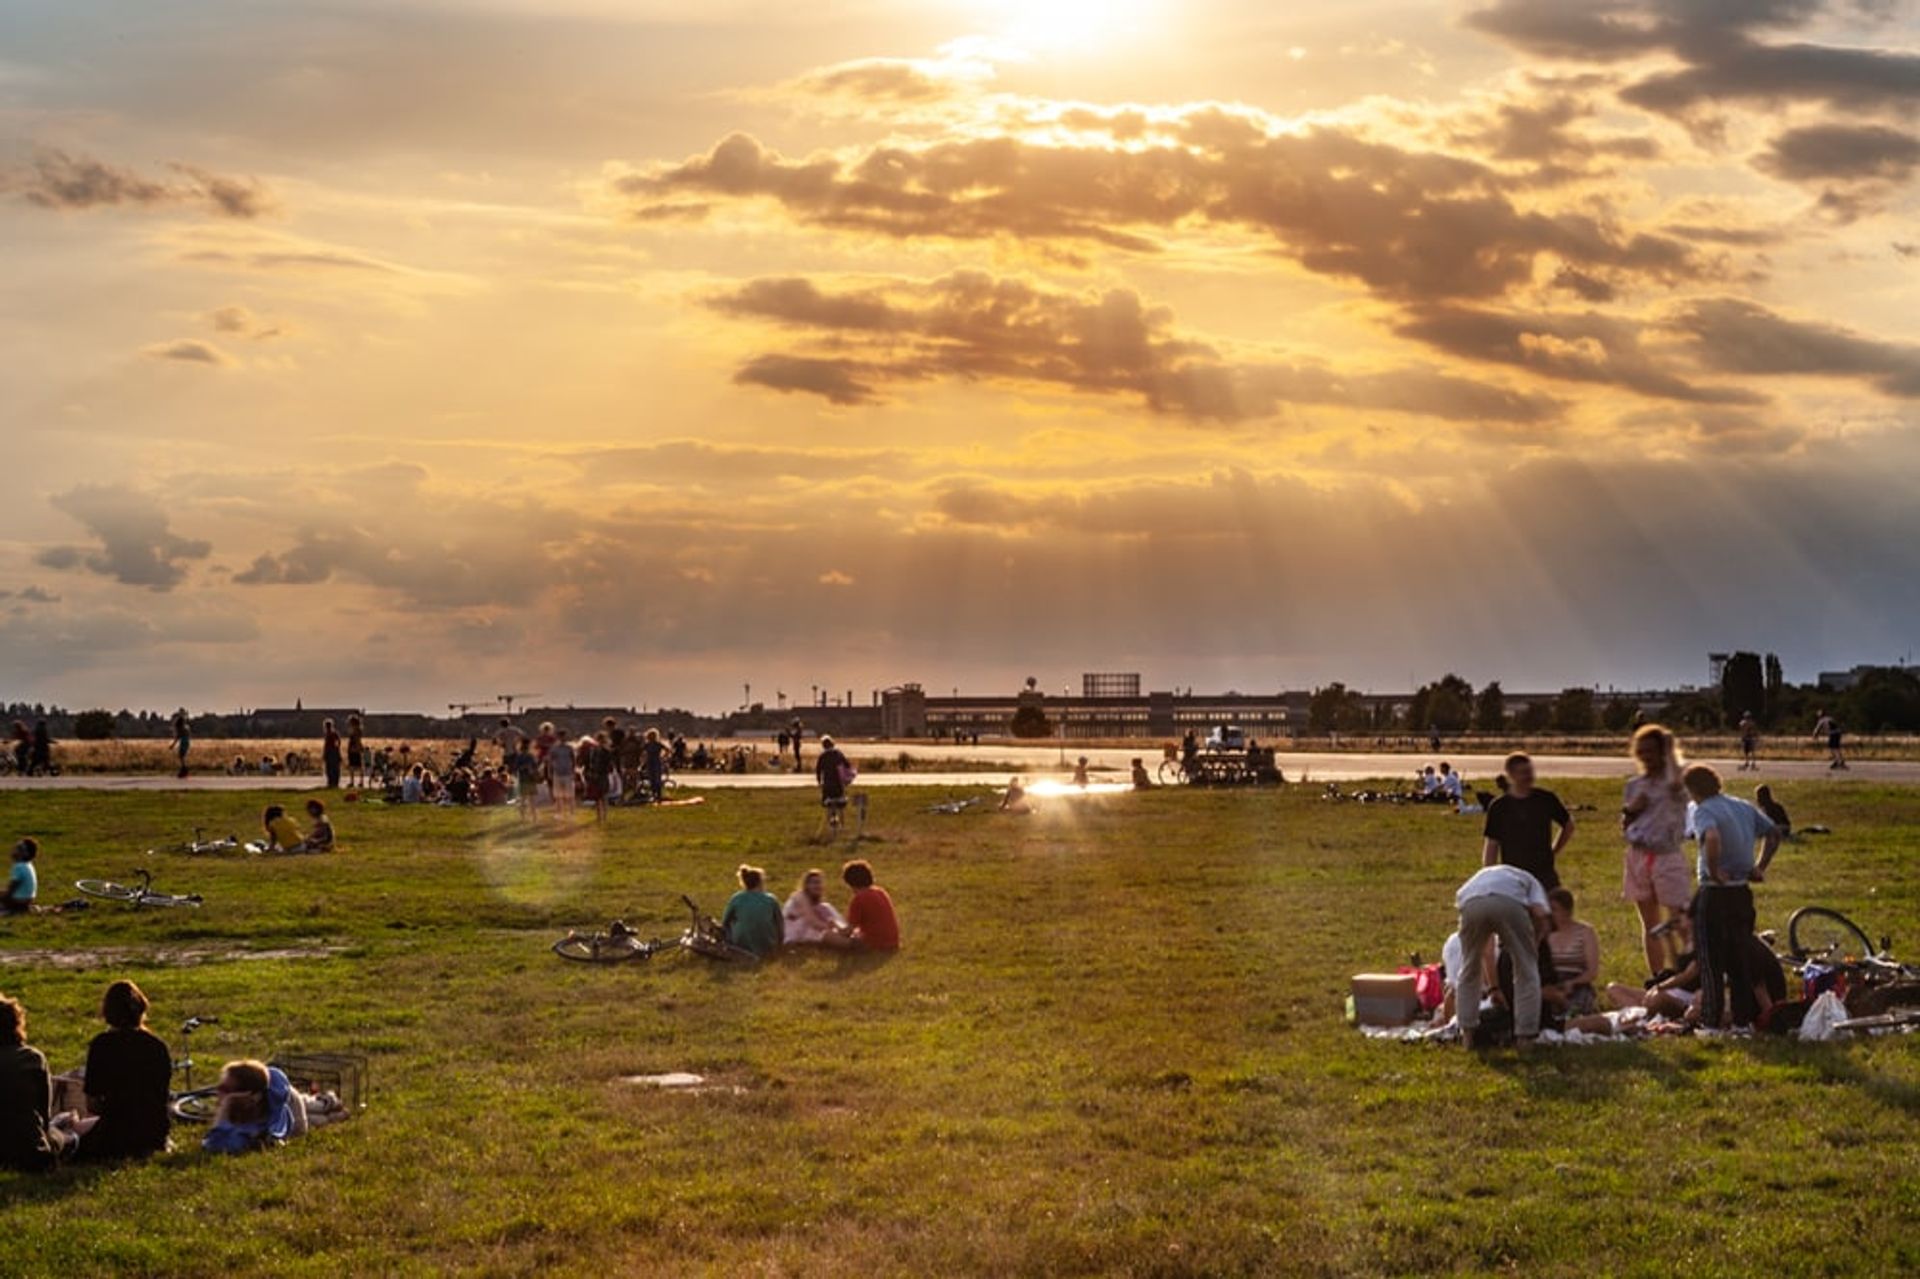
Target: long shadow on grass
(1574,1073)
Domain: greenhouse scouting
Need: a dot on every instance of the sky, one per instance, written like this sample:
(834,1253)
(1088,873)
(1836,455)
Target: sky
(405,352)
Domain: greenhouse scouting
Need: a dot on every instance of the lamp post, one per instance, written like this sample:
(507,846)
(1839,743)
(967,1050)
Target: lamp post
(1065,693)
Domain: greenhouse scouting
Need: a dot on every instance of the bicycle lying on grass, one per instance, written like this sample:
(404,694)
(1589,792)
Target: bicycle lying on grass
(141,896)
(200,846)
(189,1104)
(1828,951)
(619,944)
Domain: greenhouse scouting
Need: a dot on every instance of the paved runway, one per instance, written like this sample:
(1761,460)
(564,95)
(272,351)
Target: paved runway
(1314,766)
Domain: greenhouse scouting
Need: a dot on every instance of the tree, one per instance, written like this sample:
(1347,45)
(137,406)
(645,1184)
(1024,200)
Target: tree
(1573,711)
(1776,686)
(1536,717)
(1445,706)
(1031,721)
(1885,698)
(1618,714)
(93,726)
(1743,687)
(1336,708)
(1490,715)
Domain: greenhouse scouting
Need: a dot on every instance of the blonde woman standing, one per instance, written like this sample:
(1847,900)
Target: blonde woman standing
(1653,817)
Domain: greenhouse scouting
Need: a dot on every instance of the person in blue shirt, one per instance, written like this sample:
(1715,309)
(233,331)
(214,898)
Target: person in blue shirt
(1737,843)
(258,1109)
(23,882)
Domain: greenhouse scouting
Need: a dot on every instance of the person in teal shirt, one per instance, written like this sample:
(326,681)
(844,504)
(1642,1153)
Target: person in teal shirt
(23,882)
(752,917)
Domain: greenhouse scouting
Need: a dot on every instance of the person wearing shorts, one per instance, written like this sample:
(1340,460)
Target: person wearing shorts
(1653,817)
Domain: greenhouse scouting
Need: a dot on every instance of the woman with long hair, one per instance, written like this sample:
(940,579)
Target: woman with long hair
(1654,820)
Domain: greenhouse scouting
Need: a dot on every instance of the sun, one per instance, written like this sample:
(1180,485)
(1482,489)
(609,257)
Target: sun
(1061,25)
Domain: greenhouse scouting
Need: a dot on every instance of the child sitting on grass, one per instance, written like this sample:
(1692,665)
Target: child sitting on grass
(320,838)
(282,834)
(23,882)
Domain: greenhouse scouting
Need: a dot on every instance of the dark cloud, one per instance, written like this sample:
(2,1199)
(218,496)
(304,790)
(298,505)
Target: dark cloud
(55,179)
(1585,347)
(1731,335)
(1543,129)
(1860,166)
(137,545)
(976,327)
(1409,224)
(188,350)
(1721,45)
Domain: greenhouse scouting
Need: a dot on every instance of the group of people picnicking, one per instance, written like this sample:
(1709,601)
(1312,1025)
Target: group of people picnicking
(126,1085)
(1521,947)
(755,920)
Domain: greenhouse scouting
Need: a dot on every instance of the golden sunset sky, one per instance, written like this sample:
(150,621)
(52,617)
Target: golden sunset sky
(400,352)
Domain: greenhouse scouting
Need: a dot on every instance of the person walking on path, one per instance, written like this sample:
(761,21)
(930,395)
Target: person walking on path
(1826,726)
(182,739)
(1749,744)
(1520,825)
(1508,903)
(834,772)
(330,754)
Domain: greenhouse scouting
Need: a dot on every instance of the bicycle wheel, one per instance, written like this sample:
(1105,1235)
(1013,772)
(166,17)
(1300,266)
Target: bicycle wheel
(108,889)
(196,1107)
(719,951)
(1815,932)
(1171,773)
(597,948)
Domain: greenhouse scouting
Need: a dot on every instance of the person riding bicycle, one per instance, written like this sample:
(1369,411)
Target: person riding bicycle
(753,916)
(834,772)
(127,1076)
(259,1108)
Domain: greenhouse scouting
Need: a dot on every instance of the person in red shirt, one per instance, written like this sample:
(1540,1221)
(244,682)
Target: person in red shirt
(870,917)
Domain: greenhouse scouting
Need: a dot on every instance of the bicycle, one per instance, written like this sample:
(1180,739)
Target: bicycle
(1173,768)
(141,896)
(1820,934)
(189,1104)
(200,846)
(619,944)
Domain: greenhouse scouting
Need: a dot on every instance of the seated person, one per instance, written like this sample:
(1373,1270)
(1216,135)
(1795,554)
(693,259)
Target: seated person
(129,1072)
(282,834)
(491,790)
(1080,772)
(1672,994)
(320,838)
(870,916)
(27,1144)
(413,788)
(258,1109)
(1776,811)
(460,788)
(1015,800)
(1552,1010)
(809,918)
(752,918)
(1576,959)
(1141,781)
(1451,787)
(23,881)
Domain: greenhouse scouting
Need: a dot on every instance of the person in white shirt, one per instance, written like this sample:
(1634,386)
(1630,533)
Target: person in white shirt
(1450,784)
(811,919)
(1506,902)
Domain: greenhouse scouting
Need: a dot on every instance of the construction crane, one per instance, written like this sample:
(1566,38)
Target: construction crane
(463,709)
(508,699)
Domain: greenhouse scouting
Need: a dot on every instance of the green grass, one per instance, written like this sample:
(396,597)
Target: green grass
(1112,1045)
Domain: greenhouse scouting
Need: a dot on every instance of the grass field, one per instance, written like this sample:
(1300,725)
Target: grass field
(1112,1044)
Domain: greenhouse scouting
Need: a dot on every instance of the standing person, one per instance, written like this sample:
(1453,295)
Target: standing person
(753,917)
(560,778)
(1826,726)
(27,1143)
(330,754)
(1653,816)
(356,752)
(22,746)
(797,733)
(508,739)
(597,767)
(1749,743)
(182,739)
(128,1071)
(1507,902)
(653,762)
(834,772)
(527,771)
(1520,825)
(871,921)
(1728,831)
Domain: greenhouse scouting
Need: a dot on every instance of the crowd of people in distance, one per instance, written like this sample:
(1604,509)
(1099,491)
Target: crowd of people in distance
(756,921)
(126,1084)
(1520,946)
(32,749)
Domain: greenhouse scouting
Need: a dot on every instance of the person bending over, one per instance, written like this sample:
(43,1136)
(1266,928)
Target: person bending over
(809,918)
(1507,902)
(23,881)
(128,1072)
(870,915)
(752,918)
(258,1110)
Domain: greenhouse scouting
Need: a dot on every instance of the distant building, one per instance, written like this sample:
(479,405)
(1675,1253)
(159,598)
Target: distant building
(1111,684)
(297,721)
